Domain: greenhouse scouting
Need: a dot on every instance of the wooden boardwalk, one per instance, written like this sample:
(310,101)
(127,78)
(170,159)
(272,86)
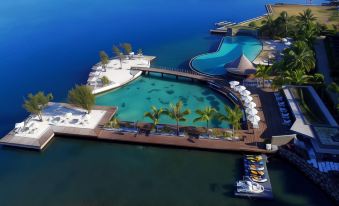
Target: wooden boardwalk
(186,73)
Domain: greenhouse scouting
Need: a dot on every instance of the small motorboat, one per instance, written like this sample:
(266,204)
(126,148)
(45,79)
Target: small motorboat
(256,158)
(261,173)
(254,167)
(254,161)
(249,186)
(257,178)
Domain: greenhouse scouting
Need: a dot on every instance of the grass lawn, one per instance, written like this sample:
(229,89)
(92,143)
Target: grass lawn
(325,14)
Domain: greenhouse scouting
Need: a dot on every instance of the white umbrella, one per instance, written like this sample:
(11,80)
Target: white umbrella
(247,99)
(254,118)
(245,93)
(251,105)
(251,112)
(19,125)
(87,117)
(68,115)
(234,83)
(240,88)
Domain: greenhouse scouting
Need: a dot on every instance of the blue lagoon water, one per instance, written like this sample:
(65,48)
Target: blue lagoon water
(230,49)
(51,45)
(136,98)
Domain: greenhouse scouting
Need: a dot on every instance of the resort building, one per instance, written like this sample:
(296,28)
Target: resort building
(312,120)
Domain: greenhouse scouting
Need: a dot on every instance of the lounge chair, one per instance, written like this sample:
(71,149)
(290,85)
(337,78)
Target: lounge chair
(277,94)
(283,109)
(281,104)
(285,114)
(286,121)
(279,99)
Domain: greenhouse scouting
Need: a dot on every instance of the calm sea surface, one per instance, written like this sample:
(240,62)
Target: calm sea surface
(51,45)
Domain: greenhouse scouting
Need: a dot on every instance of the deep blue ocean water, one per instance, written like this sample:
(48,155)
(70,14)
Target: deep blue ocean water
(51,45)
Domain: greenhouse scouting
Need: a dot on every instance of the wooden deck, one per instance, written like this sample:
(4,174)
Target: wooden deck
(252,140)
(25,142)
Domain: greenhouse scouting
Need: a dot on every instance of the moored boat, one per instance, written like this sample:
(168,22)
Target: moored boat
(249,186)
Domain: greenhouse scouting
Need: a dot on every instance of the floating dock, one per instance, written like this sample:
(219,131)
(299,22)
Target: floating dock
(268,193)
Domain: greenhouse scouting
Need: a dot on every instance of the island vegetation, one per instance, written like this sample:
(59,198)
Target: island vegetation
(82,96)
(36,103)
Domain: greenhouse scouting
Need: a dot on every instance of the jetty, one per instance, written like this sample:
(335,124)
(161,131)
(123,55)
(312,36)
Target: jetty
(267,193)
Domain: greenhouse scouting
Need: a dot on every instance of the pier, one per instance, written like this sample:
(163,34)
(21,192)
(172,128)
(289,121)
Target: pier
(268,193)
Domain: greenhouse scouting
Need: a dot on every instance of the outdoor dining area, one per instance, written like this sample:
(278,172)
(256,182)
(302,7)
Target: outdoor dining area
(250,105)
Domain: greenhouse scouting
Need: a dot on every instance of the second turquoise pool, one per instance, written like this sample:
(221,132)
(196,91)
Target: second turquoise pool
(136,98)
(230,49)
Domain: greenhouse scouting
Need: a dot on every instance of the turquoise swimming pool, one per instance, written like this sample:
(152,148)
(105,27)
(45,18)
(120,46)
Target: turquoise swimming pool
(229,49)
(137,97)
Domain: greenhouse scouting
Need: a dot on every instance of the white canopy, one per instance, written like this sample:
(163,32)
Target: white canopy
(240,88)
(251,105)
(247,99)
(251,111)
(245,93)
(254,118)
(68,115)
(87,117)
(234,83)
(19,125)
(93,79)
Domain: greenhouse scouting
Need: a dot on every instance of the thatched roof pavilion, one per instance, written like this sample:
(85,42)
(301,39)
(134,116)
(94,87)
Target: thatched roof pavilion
(241,66)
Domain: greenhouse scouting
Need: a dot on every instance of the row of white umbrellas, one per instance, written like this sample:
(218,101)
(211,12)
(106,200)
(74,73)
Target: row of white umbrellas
(248,100)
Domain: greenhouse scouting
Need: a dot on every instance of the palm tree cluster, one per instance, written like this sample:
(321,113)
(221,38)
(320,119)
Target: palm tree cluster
(300,27)
(177,113)
(297,66)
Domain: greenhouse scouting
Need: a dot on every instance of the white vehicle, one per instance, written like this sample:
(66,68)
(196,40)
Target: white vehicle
(248,186)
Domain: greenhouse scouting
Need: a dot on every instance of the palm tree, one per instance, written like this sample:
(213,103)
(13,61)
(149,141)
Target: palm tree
(284,20)
(117,52)
(263,72)
(334,87)
(35,104)
(114,123)
(299,77)
(308,34)
(268,25)
(299,56)
(306,17)
(82,96)
(175,113)
(205,115)
(233,117)
(104,59)
(154,115)
(127,48)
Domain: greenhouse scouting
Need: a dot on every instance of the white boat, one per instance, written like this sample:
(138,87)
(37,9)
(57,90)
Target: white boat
(248,186)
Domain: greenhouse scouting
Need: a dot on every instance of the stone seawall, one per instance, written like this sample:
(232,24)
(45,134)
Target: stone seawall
(321,179)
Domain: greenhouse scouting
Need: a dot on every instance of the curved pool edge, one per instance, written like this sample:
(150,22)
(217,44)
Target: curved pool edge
(220,44)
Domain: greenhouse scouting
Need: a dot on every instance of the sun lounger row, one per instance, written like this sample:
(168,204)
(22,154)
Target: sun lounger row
(284,113)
